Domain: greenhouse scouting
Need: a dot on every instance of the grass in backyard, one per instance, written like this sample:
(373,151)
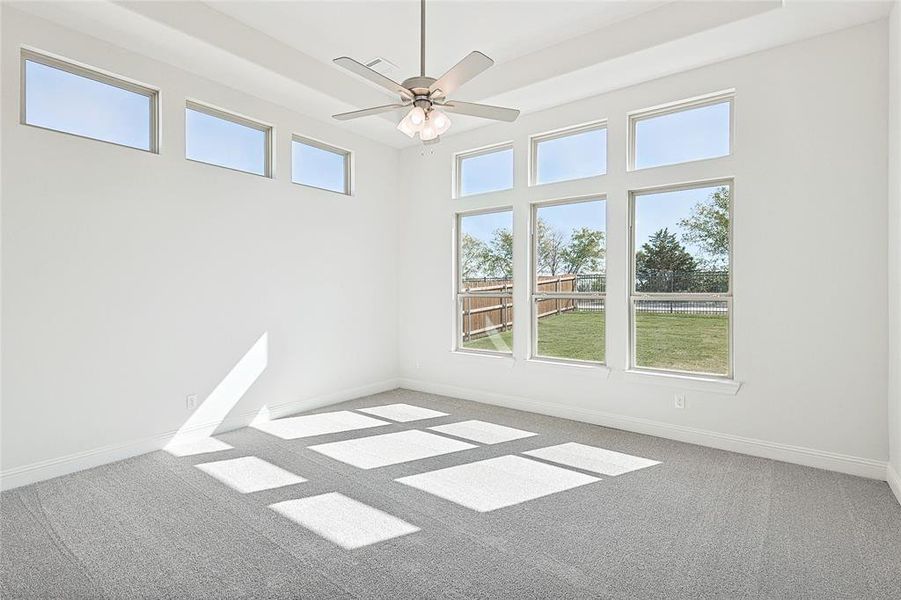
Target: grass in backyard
(680,342)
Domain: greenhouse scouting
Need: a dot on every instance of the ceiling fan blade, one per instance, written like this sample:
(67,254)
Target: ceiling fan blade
(356,114)
(486,111)
(373,76)
(473,64)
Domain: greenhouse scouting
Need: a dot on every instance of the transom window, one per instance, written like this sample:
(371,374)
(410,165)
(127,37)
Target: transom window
(569,279)
(485,281)
(320,165)
(216,137)
(681,299)
(485,170)
(573,153)
(70,98)
(688,131)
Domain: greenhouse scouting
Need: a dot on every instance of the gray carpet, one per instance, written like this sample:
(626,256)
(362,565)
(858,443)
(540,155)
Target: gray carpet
(701,524)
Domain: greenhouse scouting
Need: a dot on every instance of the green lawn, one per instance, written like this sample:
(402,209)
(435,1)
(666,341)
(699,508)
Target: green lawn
(664,341)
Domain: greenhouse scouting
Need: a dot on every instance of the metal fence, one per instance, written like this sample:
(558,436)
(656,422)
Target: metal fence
(680,282)
(682,307)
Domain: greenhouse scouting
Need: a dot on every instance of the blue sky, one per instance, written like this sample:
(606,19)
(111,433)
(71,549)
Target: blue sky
(567,217)
(482,226)
(487,172)
(317,167)
(682,136)
(60,100)
(226,143)
(572,157)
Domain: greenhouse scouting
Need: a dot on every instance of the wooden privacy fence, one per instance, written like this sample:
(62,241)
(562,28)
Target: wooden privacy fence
(485,314)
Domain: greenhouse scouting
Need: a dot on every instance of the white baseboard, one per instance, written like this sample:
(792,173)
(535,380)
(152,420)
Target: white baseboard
(70,463)
(832,461)
(894,480)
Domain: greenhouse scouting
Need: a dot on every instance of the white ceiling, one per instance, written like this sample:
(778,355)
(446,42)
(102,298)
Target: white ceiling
(367,30)
(547,52)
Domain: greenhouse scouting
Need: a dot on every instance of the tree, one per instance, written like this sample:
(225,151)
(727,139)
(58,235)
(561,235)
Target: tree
(663,252)
(708,227)
(473,255)
(585,251)
(499,257)
(551,246)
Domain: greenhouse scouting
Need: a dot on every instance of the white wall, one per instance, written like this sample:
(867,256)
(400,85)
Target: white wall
(809,261)
(895,248)
(131,279)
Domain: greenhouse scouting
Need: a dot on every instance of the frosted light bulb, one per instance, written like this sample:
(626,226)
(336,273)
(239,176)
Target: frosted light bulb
(428,131)
(417,116)
(440,120)
(406,127)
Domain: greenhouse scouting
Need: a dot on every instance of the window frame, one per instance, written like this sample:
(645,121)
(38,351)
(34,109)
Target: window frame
(345,153)
(635,296)
(81,70)
(535,296)
(634,117)
(459,157)
(219,113)
(460,295)
(538,138)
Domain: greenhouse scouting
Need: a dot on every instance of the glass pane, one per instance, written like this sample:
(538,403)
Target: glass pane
(318,167)
(225,143)
(573,156)
(571,328)
(682,241)
(487,323)
(682,336)
(571,247)
(682,136)
(63,101)
(489,172)
(486,252)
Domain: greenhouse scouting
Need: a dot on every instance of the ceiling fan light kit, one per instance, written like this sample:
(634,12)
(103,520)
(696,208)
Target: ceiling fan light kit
(425,98)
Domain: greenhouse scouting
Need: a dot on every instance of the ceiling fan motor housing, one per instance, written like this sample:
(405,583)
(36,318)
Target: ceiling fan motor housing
(419,86)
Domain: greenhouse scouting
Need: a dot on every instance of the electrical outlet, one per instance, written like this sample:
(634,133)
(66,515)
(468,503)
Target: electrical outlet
(191,401)
(679,401)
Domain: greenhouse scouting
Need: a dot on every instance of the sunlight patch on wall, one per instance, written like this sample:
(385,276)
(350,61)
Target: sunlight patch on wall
(204,421)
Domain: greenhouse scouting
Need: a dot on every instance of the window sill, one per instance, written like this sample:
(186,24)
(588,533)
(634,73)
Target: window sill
(600,369)
(686,382)
(489,354)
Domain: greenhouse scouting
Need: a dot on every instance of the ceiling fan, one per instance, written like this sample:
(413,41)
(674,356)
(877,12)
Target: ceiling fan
(427,96)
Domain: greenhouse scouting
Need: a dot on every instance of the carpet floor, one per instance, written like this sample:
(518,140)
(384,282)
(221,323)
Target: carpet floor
(375,504)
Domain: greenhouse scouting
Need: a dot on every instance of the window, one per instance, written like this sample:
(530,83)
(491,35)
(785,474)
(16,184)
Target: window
(573,153)
(681,299)
(569,279)
(73,99)
(319,165)
(690,131)
(486,170)
(219,138)
(485,281)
